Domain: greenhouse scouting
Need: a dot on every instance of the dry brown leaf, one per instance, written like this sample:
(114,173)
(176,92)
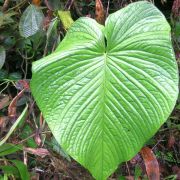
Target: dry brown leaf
(176,8)
(59,164)
(22,84)
(35,176)
(47,19)
(12,106)
(4,101)
(176,170)
(151,163)
(100,13)
(38,138)
(3,121)
(41,120)
(48,5)
(42,152)
(36,2)
(171,141)
(129,178)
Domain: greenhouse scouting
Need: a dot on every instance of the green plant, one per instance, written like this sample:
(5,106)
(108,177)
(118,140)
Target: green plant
(31,21)
(107,89)
(20,119)
(16,169)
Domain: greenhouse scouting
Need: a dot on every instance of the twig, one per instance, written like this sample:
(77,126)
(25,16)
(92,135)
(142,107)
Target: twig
(24,140)
(4,87)
(128,169)
(5,5)
(26,66)
(18,5)
(161,140)
(68,4)
(77,9)
(31,136)
(25,56)
(12,106)
(175,152)
(25,157)
(47,4)
(107,10)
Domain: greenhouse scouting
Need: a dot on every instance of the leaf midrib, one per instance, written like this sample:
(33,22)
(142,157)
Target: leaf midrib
(104,107)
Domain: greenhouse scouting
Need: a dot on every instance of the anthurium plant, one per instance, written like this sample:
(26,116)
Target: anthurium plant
(107,89)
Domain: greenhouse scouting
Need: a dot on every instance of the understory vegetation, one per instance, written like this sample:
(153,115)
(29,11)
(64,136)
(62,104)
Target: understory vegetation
(32,30)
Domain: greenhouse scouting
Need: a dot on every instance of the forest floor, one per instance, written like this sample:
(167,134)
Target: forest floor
(30,142)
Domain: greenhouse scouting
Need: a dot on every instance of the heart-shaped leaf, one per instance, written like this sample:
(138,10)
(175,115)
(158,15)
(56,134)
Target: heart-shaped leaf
(106,90)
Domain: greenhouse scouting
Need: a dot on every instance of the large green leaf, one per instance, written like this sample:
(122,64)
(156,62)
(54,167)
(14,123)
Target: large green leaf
(106,90)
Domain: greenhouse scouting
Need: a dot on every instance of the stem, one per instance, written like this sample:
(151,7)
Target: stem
(5,5)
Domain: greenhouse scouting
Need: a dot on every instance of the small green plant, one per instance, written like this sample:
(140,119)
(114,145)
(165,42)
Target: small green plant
(106,90)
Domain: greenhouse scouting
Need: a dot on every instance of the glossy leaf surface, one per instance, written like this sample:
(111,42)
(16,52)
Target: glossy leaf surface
(106,90)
